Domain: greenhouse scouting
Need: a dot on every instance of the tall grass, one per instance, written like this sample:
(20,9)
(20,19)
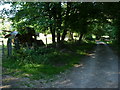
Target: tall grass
(45,62)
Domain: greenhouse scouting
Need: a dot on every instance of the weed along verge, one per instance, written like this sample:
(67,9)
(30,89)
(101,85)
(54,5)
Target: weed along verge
(43,64)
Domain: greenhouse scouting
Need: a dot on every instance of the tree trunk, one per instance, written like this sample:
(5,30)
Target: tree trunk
(52,29)
(66,18)
(58,36)
(59,22)
(9,46)
(53,33)
(64,34)
(71,36)
(80,38)
(53,36)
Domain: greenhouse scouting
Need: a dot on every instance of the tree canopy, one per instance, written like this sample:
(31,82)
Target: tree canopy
(59,18)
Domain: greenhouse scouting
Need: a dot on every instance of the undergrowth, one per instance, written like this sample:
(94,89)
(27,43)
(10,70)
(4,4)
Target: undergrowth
(45,62)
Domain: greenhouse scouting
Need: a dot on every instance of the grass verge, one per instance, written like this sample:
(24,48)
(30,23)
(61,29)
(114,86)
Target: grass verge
(44,63)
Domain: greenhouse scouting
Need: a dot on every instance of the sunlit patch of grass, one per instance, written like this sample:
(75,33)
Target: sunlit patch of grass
(108,42)
(81,52)
(44,62)
(42,72)
(37,71)
(33,65)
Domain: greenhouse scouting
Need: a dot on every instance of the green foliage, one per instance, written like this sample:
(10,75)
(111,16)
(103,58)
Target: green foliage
(83,18)
(44,62)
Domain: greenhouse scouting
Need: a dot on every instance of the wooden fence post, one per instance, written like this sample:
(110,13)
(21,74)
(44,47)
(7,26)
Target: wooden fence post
(9,46)
(2,49)
(46,38)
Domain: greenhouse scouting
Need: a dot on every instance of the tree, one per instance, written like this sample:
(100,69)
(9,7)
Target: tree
(58,18)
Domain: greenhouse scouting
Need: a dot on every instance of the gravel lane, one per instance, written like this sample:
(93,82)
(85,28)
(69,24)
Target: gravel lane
(98,70)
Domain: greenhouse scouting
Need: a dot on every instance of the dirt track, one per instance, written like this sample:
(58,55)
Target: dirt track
(97,70)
